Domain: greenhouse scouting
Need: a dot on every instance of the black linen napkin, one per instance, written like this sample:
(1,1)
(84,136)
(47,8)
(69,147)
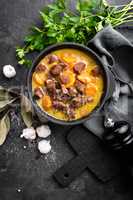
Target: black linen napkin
(117,54)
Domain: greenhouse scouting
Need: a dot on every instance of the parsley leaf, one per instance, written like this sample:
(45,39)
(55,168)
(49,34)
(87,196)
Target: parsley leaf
(61,24)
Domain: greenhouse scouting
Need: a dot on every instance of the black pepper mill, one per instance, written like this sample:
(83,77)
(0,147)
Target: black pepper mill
(119,137)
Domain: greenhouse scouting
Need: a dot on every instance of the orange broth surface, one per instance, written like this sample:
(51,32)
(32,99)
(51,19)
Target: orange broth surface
(93,84)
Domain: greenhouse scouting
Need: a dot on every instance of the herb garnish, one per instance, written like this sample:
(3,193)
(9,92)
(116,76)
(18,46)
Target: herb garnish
(60,24)
(7,99)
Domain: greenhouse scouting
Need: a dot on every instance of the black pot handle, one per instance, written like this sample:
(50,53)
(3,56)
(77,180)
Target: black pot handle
(111,84)
(111,77)
(71,170)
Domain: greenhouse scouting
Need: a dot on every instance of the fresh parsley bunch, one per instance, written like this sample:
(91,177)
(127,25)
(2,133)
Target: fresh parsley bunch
(60,24)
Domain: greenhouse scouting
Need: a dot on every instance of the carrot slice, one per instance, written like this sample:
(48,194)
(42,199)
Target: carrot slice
(46,102)
(90,90)
(84,79)
(39,78)
(68,57)
(67,78)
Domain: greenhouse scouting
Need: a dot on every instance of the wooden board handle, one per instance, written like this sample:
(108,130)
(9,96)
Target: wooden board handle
(71,170)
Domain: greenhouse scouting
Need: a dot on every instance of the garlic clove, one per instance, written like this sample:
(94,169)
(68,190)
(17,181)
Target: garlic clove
(44,146)
(43,131)
(28,134)
(9,71)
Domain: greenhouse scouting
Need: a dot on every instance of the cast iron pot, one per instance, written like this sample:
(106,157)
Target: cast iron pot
(108,83)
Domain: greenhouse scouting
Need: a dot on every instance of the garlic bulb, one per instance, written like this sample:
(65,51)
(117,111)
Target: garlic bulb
(9,71)
(43,131)
(44,146)
(29,134)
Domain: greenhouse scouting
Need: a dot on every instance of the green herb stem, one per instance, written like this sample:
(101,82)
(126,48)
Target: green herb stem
(60,24)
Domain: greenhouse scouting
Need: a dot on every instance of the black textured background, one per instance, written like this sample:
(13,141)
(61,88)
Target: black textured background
(22,176)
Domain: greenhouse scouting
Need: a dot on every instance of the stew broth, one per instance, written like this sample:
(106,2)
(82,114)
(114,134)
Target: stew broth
(68,84)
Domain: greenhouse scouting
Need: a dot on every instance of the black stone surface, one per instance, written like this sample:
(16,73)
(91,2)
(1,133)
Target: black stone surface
(22,175)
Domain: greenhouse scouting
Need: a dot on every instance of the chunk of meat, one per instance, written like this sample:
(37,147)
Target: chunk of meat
(64,65)
(80,101)
(64,79)
(52,58)
(76,102)
(96,72)
(57,83)
(88,99)
(67,78)
(70,113)
(49,76)
(38,92)
(79,67)
(59,105)
(50,85)
(65,98)
(73,92)
(80,86)
(40,67)
(56,95)
(64,89)
(60,96)
(56,70)
(46,102)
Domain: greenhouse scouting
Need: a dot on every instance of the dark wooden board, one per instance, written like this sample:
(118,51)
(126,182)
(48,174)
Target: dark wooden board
(90,153)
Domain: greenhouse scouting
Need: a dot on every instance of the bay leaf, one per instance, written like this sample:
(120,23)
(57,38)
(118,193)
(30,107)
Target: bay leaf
(9,93)
(26,111)
(5,102)
(4,94)
(5,98)
(4,128)
(4,109)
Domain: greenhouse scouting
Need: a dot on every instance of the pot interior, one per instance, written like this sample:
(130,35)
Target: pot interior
(86,50)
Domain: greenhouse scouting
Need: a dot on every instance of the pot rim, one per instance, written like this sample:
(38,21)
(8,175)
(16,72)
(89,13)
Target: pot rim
(63,45)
